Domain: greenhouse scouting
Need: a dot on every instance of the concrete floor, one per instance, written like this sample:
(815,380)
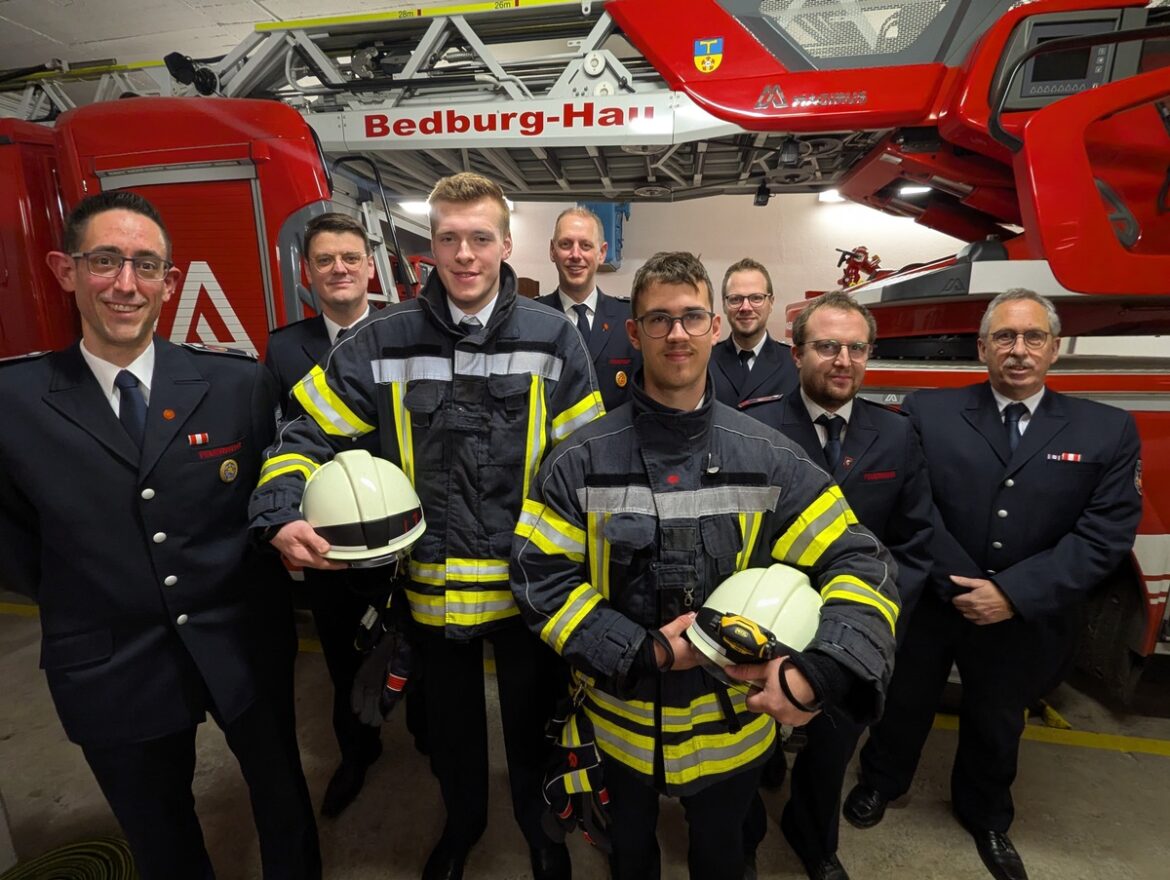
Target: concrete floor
(1098,808)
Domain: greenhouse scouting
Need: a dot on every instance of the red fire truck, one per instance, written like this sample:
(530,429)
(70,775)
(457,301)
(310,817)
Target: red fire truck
(1041,130)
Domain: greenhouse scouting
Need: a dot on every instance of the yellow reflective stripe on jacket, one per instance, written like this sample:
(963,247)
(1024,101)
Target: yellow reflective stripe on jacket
(848,588)
(631,749)
(427,610)
(279,465)
(749,529)
(815,530)
(461,607)
(581,413)
(599,550)
(551,533)
(563,624)
(402,431)
(534,442)
(324,407)
(710,754)
(477,571)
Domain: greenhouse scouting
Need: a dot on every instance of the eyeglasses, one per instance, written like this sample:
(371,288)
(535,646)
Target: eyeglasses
(859,352)
(1005,339)
(104,264)
(695,322)
(325,262)
(735,300)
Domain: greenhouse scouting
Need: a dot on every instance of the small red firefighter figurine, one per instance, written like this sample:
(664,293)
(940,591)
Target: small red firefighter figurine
(855,262)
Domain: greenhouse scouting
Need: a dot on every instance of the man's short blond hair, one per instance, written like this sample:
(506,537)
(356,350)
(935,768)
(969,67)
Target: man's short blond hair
(585,214)
(467,187)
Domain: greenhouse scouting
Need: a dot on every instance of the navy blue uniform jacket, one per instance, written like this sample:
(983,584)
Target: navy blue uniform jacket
(1045,523)
(883,475)
(615,360)
(292,351)
(773,374)
(118,548)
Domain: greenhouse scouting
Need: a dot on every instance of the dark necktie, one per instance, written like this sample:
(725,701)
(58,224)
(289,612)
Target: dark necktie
(582,311)
(833,426)
(1012,413)
(131,406)
(744,367)
(470,324)
(340,335)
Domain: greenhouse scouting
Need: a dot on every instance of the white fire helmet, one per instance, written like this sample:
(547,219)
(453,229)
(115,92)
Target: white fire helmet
(365,507)
(755,615)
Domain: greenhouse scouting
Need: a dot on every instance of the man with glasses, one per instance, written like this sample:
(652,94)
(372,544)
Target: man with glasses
(631,524)
(126,464)
(339,266)
(577,249)
(874,456)
(750,368)
(1038,498)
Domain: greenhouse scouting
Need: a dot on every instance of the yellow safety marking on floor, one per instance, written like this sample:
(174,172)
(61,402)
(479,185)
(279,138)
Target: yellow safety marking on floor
(400,14)
(1107,742)
(18,610)
(309,646)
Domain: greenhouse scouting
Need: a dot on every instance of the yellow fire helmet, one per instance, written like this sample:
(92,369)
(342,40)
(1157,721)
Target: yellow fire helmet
(365,507)
(756,615)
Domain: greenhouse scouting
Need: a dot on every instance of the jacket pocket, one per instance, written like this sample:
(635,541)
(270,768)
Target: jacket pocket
(722,542)
(76,649)
(422,400)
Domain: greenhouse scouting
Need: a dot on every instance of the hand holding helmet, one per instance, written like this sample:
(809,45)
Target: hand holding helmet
(755,616)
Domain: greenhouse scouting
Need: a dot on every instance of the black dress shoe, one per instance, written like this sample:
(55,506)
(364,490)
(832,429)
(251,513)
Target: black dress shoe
(551,862)
(347,781)
(864,807)
(998,854)
(445,861)
(826,869)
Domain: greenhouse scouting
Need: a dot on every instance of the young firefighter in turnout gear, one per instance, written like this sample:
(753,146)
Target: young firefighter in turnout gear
(468,388)
(628,528)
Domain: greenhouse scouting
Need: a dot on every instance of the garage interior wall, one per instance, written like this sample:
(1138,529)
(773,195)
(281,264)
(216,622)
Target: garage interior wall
(794,235)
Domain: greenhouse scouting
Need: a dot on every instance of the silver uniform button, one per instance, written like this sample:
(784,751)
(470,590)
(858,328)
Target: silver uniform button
(991,571)
(1009,482)
(181,619)
(170,580)
(148,494)
(1001,513)
(159,537)
(998,545)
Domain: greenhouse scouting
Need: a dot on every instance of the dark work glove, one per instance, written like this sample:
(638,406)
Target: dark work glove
(574,788)
(381,680)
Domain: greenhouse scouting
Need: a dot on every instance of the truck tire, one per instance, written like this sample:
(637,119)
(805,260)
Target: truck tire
(1113,617)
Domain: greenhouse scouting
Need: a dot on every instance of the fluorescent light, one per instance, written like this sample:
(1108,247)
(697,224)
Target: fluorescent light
(511,204)
(913,190)
(415,207)
(829,195)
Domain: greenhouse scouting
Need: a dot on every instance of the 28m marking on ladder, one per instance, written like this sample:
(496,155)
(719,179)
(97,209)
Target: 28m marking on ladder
(191,323)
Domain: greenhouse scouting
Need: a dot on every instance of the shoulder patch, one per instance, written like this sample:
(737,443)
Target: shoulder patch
(21,358)
(888,406)
(218,349)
